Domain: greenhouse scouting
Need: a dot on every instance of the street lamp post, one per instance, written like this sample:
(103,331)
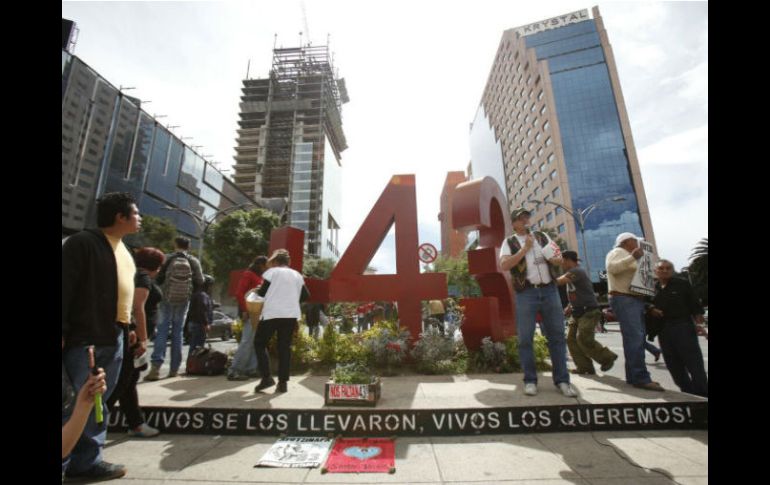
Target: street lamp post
(204,223)
(580,215)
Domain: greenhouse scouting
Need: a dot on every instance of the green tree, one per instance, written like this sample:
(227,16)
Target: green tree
(554,237)
(457,273)
(234,241)
(699,270)
(320,268)
(157,232)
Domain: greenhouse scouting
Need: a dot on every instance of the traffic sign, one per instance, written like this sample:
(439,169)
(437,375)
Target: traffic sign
(427,252)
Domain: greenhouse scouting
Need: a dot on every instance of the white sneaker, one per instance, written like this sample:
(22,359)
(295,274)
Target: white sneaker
(567,389)
(145,431)
(530,389)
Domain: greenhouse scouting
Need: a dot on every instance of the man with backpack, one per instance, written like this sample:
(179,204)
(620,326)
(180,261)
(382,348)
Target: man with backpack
(176,278)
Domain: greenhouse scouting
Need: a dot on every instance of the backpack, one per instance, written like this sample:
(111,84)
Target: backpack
(204,361)
(177,286)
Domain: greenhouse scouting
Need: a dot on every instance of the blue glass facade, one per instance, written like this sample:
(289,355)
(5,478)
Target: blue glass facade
(110,145)
(592,139)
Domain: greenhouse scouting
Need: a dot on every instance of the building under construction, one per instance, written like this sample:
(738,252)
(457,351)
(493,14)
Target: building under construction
(289,142)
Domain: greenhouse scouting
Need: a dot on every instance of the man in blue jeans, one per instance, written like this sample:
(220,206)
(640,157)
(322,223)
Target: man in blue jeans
(535,290)
(97,295)
(180,267)
(629,308)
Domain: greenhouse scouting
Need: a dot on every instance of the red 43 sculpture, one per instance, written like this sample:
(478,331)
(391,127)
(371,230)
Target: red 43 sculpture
(476,205)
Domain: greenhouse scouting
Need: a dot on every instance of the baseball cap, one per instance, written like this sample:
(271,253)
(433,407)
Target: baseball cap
(571,255)
(622,237)
(519,212)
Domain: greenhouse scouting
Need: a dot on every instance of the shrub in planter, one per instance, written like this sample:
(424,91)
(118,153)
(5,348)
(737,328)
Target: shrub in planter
(350,350)
(237,329)
(304,351)
(327,345)
(493,356)
(539,347)
(353,373)
(387,345)
(434,353)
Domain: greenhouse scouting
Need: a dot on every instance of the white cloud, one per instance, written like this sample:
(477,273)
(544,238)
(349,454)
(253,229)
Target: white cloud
(688,147)
(415,72)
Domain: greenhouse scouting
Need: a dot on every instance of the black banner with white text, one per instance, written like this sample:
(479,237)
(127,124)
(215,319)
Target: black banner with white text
(444,422)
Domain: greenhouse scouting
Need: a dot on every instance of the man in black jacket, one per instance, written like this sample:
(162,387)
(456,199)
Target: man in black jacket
(97,294)
(680,313)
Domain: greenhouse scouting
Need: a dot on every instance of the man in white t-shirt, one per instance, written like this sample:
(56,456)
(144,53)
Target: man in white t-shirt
(535,291)
(283,289)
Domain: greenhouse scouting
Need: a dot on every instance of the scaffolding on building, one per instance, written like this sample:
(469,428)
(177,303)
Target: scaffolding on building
(300,102)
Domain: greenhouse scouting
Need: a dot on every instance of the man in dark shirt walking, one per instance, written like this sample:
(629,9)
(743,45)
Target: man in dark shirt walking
(584,314)
(680,313)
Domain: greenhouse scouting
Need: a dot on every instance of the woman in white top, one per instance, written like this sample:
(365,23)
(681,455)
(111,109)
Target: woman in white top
(283,289)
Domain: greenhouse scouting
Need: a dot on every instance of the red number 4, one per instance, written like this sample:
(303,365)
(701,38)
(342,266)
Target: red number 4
(408,287)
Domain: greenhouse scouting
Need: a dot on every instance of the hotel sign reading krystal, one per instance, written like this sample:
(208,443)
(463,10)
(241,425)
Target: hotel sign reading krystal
(553,23)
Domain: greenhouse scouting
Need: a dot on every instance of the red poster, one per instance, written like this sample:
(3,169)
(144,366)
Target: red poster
(362,455)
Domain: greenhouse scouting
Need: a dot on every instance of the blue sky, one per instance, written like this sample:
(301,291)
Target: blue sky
(415,72)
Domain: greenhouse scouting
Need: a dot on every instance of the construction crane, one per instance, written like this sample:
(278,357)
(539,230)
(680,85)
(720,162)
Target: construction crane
(304,20)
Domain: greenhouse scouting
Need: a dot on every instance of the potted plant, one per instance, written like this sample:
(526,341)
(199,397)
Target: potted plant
(352,384)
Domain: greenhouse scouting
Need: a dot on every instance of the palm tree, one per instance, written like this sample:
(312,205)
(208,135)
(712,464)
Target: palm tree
(699,270)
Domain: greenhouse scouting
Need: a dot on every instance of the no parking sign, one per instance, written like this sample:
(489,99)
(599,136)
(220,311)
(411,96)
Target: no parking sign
(427,253)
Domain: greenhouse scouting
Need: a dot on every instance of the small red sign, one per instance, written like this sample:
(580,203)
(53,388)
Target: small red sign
(428,252)
(349,391)
(363,455)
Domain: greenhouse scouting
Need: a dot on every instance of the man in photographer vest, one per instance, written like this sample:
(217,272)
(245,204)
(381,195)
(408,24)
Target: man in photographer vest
(176,278)
(533,278)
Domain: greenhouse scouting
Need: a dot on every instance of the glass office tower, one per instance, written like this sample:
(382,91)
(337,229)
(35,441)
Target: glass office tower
(109,144)
(554,102)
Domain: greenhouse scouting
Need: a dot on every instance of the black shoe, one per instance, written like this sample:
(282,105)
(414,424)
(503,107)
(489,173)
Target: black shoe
(97,473)
(264,384)
(608,365)
(281,387)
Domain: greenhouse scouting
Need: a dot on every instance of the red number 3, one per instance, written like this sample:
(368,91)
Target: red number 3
(478,205)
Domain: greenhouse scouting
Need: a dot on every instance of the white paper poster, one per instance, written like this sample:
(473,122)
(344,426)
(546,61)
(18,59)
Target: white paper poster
(299,452)
(644,278)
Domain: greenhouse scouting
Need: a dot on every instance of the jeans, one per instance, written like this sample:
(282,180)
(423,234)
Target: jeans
(245,358)
(545,300)
(649,347)
(683,357)
(169,316)
(630,314)
(285,328)
(88,450)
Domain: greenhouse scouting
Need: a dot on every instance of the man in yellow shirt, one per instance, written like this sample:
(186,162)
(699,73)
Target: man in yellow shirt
(97,294)
(628,306)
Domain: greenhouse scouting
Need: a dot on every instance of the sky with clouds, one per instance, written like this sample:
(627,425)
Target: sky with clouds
(415,72)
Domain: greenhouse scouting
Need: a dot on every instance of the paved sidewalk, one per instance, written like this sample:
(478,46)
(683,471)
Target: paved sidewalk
(605,458)
(601,458)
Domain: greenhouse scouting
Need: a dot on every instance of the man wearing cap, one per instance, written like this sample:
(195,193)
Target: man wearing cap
(584,314)
(534,290)
(628,306)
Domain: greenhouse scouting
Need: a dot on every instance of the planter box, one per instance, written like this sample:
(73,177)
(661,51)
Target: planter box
(353,394)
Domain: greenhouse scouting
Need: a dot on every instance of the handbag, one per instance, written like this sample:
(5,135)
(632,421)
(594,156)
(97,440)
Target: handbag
(254,304)
(204,361)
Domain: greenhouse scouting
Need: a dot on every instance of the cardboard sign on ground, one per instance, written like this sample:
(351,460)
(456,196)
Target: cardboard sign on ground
(362,455)
(297,452)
